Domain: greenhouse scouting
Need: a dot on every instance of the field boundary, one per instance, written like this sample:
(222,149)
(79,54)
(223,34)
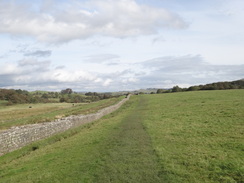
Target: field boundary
(20,136)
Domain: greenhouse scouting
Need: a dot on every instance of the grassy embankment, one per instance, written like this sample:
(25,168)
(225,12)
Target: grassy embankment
(21,114)
(178,137)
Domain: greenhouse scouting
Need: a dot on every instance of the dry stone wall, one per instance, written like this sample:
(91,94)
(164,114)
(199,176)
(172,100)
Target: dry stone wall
(20,136)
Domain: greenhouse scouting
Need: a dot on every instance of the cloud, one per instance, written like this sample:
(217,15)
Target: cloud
(79,20)
(60,67)
(101,58)
(32,74)
(162,72)
(186,71)
(32,65)
(39,53)
(158,40)
(3,56)
(107,82)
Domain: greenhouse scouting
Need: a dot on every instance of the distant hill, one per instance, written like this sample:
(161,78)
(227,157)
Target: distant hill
(225,85)
(239,84)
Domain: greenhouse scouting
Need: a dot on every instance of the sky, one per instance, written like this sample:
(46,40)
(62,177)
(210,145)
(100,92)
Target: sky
(118,45)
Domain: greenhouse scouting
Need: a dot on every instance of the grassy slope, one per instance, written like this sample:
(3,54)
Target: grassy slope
(21,114)
(198,136)
(178,137)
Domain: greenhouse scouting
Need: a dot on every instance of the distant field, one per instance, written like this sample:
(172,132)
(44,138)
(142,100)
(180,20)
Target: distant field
(21,114)
(177,137)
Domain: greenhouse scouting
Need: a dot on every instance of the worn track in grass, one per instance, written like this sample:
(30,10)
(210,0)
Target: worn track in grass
(128,155)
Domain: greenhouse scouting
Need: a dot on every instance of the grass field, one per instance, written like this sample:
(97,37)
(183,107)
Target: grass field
(198,136)
(177,137)
(21,114)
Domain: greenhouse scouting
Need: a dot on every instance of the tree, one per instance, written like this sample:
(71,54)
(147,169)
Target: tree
(193,88)
(62,99)
(160,91)
(56,95)
(91,94)
(67,91)
(45,95)
(176,89)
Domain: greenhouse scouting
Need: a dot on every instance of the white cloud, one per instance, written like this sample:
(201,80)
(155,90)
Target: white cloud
(163,72)
(120,18)
(130,80)
(33,62)
(107,82)
(31,74)
(69,76)
(187,70)
(101,58)
(8,68)
(39,53)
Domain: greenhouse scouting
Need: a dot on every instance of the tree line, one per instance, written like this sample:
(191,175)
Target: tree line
(239,84)
(12,96)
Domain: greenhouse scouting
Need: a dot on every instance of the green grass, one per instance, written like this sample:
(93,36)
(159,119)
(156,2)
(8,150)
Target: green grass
(176,137)
(198,136)
(3,103)
(109,150)
(21,114)
(127,154)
